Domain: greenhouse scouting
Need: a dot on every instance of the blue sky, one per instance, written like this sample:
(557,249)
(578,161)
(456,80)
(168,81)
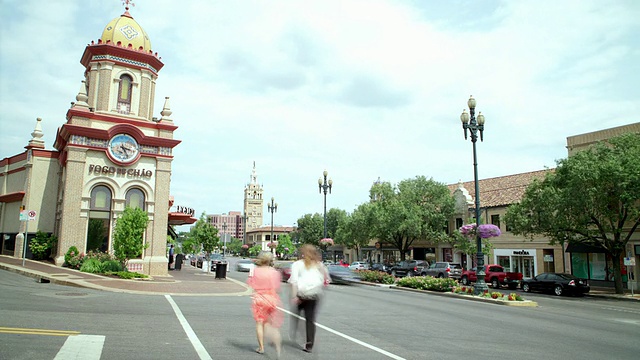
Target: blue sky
(363,89)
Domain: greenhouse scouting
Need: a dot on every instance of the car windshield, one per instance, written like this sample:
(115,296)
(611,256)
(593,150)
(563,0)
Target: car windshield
(215,257)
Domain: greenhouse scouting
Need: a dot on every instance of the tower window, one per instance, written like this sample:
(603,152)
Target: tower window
(124,94)
(135,198)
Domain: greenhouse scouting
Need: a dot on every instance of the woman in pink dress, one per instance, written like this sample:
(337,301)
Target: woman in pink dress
(265,282)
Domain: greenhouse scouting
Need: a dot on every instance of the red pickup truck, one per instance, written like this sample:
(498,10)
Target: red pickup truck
(495,275)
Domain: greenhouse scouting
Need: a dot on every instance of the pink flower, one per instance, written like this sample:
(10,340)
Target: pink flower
(326,241)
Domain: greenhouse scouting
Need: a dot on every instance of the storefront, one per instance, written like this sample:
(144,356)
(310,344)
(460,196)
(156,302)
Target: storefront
(517,260)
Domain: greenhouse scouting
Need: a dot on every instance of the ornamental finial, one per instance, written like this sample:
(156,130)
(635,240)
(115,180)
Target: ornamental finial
(126,4)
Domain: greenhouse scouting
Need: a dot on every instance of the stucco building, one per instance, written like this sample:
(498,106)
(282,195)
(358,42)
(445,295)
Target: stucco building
(111,152)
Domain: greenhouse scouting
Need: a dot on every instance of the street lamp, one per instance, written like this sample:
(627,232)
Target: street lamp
(244,228)
(473,127)
(273,207)
(224,234)
(324,186)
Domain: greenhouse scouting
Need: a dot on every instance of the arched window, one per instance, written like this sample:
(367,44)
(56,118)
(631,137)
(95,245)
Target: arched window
(135,198)
(124,94)
(99,219)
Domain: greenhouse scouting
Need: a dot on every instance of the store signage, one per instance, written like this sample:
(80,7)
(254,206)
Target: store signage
(520,252)
(548,258)
(185,210)
(118,171)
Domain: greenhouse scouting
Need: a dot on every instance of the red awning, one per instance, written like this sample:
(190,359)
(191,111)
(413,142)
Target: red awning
(176,218)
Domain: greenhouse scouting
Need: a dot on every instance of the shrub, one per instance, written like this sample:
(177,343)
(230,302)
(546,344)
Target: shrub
(376,276)
(93,266)
(428,283)
(128,275)
(41,245)
(462,290)
(111,266)
(98,255)
(73,258)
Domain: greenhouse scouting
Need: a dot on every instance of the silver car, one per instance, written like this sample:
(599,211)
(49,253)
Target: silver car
(244,265)
(443,269)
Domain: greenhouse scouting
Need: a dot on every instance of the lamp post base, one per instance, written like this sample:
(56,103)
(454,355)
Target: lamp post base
(480,287)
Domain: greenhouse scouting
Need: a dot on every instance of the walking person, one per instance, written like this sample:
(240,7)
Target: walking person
(171,252)
(265,281)
(308,277)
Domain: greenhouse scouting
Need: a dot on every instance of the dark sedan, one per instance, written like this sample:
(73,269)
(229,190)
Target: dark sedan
(556,283)
(342,275)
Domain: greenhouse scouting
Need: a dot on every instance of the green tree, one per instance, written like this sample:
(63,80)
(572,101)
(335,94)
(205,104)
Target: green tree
(234,246)
(335,217)
(310,229)
(353,231)
(42,244)
(204,235)
(284,242)
(128,241)
(255,250)
(414,209)
(592,198)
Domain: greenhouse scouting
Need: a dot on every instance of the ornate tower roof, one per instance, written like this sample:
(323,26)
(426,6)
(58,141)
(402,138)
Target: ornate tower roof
(125,30)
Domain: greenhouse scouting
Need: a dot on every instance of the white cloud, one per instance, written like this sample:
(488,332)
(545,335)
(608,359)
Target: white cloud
(364,89)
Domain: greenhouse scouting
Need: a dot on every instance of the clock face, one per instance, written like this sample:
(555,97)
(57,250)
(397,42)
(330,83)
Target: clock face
(123,148)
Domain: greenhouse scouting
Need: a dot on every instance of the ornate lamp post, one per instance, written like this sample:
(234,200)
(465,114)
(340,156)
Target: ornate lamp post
(273,207)
(244,228)
(470,123)
(324,186)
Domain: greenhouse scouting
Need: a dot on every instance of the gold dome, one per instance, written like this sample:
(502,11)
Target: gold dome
(127,31)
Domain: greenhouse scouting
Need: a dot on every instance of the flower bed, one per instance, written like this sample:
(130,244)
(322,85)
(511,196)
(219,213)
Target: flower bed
(427,283)
(373,276)
(496,295)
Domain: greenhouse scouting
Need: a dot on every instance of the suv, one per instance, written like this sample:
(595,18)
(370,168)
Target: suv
(443,269)
(409,268)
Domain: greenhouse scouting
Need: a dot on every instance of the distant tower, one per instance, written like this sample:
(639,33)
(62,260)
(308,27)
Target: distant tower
(253,202)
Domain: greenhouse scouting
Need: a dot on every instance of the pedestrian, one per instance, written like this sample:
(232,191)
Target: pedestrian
(308,278)
(171,252)
(265,281)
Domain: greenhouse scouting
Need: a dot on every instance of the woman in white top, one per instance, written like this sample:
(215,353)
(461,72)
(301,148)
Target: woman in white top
(308,277)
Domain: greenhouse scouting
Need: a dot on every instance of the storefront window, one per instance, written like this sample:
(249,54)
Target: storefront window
(99,219)
(505,262)
(598,266)
(579,265)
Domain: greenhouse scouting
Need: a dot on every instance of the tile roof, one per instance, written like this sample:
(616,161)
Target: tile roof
(501,191)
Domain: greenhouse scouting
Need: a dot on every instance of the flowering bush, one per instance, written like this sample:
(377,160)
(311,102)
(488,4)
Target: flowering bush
(376,276)
(272,245)
(245,246)
(468,290)
(484,230)
(462,290)
(326,242)
(73,258)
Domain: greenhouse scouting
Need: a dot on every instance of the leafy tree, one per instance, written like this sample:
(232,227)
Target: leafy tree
(42,244)
(128,242)
(592,198)
(310,229)
(284,242)
(414,209)
(469,246)
(234,246)
(255,250)
(335,217)
(204,235)
(353,231)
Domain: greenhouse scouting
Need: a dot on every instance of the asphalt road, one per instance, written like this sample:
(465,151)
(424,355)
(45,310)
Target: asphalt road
(355,322)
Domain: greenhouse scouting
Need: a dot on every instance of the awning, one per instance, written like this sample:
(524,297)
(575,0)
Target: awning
(584,248)
(178,218)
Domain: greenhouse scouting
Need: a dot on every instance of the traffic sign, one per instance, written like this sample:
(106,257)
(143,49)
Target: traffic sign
(32,215)
(24,216)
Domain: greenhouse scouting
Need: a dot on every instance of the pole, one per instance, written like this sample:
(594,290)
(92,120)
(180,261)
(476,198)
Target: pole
(24,242)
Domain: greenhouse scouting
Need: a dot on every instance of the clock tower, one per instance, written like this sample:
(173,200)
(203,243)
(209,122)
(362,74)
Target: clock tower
(253,202)
(113,152)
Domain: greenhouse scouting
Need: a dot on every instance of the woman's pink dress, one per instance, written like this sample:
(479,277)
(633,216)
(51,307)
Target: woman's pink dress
(266,284)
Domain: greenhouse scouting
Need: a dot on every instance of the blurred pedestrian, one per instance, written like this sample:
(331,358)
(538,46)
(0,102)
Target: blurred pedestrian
(308,278)
(265,281)
(171,252)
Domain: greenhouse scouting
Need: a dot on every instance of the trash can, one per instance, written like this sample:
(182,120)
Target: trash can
(221,271)
(178,263)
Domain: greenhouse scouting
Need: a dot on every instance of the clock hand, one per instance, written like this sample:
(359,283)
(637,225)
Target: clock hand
(126,151)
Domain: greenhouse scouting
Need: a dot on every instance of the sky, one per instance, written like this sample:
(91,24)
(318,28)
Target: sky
(366,89)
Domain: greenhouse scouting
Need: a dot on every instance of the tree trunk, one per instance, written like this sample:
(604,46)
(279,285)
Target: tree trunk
(617,273)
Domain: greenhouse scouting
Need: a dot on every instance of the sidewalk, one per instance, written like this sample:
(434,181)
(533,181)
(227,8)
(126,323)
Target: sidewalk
(186,282)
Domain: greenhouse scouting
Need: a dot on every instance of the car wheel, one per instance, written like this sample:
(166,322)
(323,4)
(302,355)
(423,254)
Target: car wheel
(495,284)
(525,288)
(464,281)
(557,290)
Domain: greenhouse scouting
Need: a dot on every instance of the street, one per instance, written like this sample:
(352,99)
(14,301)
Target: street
(355,322)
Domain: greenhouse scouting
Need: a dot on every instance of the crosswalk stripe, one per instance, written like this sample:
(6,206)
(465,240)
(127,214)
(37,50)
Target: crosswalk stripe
(81,347)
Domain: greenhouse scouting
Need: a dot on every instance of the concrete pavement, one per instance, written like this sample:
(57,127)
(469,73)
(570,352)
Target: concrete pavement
(189,281)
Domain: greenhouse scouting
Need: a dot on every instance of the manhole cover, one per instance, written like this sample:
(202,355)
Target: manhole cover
(71,294)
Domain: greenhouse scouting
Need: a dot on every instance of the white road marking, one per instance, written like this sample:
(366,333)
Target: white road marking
(345,336)
(202,352)
(81,347)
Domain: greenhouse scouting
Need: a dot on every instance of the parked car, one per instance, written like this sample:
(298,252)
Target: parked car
(557,283)
(244,265)
(359,265)
(284,268)
(409,268)
(216,259)
(193,260)
(443,269)
(200,259)
(494,275)
(342,275)
(380,267)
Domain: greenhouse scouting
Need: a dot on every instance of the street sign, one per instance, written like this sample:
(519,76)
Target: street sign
(24,216)
(32,215)
(629,261)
